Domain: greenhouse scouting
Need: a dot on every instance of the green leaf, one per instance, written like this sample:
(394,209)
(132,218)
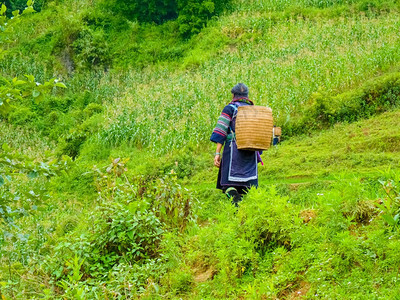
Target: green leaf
(28,10)
(29,2)
(33,174)
(60,84)
(31,78)
(389,219)
(396,218)
(18,82)
(35,93)
(15,13)
(5,147)
(1,180)
(3,9)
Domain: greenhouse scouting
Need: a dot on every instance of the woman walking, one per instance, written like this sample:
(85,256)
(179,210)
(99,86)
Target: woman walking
(237,168)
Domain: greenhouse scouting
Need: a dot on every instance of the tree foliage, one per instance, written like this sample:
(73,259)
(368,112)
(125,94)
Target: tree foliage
(16,198)
(156,11)
(7,18)
(21,5)
(16,89)
(191,15)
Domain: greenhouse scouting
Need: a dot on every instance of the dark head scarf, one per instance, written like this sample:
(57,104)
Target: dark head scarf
(240,90)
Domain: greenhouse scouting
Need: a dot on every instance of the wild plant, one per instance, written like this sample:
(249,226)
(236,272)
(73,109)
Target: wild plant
(125,232)
(19,199)
(389,206)
(71,284)
(17,89)
(24,193)
(6,24)
(113,180)
(268,219)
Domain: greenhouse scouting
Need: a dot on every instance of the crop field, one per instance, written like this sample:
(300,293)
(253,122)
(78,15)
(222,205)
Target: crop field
(283,64)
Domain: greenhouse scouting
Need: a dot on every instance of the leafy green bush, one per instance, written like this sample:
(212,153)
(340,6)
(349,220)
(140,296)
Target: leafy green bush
(20,5)
(172,203)
(71,143)
(121,233)
(91,49)
(268,219)
(92,109)
(375,96)
(237,244)
(18,199)
(124,232)
(21,116)
(83,99)
(191,16)
(157,11)
(80,45)
(19,96)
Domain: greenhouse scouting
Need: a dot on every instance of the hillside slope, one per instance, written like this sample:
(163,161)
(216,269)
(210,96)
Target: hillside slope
(284,51)
(319,225)
(107,188)
(315,228)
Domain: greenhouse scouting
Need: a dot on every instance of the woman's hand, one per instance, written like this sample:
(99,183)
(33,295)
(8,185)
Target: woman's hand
(217,157)
(217,160)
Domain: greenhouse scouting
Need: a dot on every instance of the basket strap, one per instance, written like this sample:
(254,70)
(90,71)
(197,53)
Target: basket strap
(235,110)
(234,116)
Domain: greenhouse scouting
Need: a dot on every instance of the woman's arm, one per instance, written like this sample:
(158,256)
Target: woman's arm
(220,132)
(222,128)
(217,157)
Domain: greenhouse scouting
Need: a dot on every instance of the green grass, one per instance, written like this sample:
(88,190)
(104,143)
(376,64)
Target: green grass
(25,141)
(365,147)
(309,226)
(282,64)
(315,227)
(283,54)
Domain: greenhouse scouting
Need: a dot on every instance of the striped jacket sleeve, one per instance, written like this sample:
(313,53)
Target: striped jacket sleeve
(221,130)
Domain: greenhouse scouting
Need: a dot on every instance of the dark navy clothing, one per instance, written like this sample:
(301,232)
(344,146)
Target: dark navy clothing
(238,167)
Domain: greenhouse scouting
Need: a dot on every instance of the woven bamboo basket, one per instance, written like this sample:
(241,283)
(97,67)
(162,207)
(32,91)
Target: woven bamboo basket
(277,131)
(254,127)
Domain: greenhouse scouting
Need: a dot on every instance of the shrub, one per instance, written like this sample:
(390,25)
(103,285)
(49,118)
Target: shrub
(21,116)
(91,49)
(172,203)
(20,5)
(84,99)
(191,15)
(121,233)
(21,195)
(268,220)
(127,226)
(156,11)
(324,110)
(92,109)
(71,144)
(52,103)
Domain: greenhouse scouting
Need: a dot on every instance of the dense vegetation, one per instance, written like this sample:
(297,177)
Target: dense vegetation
(106,177)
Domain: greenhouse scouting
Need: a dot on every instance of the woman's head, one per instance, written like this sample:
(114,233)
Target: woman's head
(240,90)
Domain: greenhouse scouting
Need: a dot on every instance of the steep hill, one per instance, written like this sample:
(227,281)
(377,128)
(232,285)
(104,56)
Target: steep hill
(107,185)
